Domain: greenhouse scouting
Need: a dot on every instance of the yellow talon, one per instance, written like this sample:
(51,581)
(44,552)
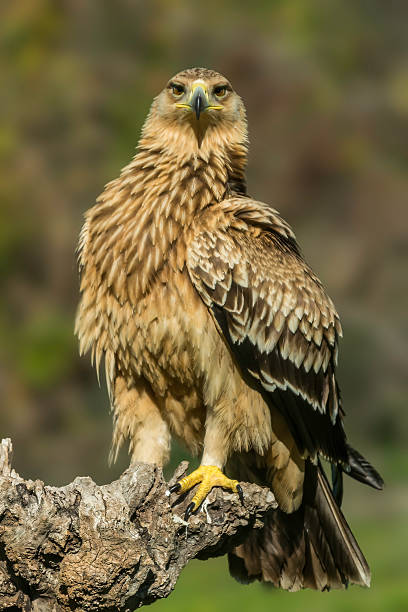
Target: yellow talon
(208,476)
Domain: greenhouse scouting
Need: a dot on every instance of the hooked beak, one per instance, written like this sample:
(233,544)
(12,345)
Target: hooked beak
(198,101)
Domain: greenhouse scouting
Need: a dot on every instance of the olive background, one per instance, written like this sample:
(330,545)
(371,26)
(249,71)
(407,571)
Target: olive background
(326,90)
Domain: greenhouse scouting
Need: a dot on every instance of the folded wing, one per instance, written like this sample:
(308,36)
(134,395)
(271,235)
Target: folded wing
(273,312)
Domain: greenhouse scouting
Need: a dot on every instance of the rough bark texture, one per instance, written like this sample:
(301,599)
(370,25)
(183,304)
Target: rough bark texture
(111,547)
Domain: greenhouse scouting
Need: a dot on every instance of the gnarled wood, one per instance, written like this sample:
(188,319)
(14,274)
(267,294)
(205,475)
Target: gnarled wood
(111,547)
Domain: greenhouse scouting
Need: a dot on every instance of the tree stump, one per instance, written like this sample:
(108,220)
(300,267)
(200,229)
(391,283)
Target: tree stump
(113,547)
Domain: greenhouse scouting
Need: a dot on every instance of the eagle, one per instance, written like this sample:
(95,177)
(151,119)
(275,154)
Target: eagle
(214,330)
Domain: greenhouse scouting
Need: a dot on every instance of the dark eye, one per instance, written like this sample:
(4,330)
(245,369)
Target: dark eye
(220,91)
(177,90)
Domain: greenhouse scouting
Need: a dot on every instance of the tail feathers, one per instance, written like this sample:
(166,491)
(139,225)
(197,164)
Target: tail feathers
(362,470)
(310,548)
(337,483)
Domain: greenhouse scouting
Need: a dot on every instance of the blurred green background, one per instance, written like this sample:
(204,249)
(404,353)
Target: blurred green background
(326,88)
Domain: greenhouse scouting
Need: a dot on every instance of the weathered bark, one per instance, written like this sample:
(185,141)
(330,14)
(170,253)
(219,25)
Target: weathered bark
(111,547)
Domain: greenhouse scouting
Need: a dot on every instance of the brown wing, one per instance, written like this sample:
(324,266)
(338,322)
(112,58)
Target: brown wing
(275,316)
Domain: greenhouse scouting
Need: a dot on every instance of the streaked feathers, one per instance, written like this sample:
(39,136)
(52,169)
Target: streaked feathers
(213,329)
(274,313)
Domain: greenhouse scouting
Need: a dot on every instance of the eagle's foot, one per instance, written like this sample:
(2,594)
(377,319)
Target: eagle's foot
(208,476)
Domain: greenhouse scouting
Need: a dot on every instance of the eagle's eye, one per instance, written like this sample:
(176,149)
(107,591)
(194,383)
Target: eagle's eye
(220,91)
(177,90)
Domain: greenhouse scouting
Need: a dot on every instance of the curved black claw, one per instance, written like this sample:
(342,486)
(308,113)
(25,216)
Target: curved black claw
(189,510)
(240,493)
(175,488)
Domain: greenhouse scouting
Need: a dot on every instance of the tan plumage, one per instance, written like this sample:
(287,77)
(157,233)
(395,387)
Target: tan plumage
(214,330)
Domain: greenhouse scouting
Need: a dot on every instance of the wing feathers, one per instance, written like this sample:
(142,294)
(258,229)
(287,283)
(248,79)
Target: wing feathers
(275,316)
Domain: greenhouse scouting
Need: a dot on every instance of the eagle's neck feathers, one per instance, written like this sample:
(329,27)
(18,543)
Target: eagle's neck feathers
(139,218)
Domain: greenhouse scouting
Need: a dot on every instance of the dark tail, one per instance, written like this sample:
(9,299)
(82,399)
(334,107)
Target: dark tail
(311,548)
